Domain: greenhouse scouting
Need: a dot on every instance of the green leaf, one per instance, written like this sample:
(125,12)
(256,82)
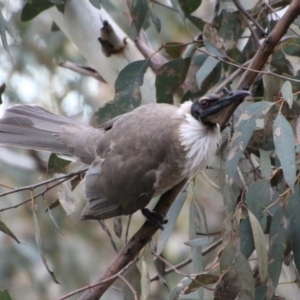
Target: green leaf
(278,238)
(32,8)
(243,132)
(4,295)
(2,89)
(39,243)
(127,86)
(8,232)
(169,78)
(261,248)
(287,93)
(172,216)
(107,112)
(284,145)
(189,6)
(138,11)
(293,210)
(56,163)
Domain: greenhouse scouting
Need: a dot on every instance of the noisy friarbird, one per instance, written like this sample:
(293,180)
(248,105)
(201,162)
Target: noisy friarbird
(133,157)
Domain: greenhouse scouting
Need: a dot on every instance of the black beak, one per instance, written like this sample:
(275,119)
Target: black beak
(209,109)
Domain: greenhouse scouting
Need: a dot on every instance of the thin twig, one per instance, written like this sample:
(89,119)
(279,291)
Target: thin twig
(130,287)
(103,281)
(33,186)
(240,7)
(242,178)
(65,178)
(191,276)
(246,68)
(171,270)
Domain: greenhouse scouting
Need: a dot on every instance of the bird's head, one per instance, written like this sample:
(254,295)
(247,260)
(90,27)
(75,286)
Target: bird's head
(209,109)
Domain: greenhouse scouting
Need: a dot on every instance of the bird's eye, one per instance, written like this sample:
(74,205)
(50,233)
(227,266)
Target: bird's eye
(204,104)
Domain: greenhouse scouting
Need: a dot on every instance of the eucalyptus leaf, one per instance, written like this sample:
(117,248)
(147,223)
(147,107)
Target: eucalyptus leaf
(65,196)
(8,232)
(169,77)
(4,295)
(261,248)
(293,210)
(278,239)
(243,132)
(287,93)
(2,89)
(127,86)
(39,242)
(284,141)
(133,276)
(55,163)
(138,11)
(172,216)
(34,7)
(208,66)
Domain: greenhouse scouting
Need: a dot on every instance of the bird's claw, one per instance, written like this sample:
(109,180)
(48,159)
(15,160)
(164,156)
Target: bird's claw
(154,218)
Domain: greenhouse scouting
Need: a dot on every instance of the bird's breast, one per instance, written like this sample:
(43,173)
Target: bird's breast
(199,142)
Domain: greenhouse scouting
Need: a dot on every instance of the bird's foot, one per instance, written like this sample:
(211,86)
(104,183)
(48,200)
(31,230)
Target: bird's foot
(154,218)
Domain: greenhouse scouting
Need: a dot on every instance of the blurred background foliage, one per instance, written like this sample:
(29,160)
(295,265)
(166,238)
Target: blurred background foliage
(194,58)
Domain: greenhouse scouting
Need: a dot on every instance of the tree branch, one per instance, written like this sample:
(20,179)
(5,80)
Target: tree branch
(133,247)
(262,55)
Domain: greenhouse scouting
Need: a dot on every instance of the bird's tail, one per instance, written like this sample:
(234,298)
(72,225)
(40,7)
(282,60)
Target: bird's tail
(33,127)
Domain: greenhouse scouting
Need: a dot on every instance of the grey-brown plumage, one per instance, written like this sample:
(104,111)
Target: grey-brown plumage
(133,157)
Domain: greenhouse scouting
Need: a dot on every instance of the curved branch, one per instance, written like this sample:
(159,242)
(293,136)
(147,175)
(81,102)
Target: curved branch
(133,247)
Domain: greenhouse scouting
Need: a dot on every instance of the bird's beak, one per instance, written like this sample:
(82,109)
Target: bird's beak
(215,111)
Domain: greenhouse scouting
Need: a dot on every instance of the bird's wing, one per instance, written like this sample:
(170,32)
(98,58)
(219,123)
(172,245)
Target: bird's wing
(138,157)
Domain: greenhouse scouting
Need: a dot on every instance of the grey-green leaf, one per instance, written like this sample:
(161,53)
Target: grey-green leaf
(278,238)
(39,243)
(7,231)
(293,210)
(208,66)
(284,145)
(172,216)
(243,132)
(287,93)
(133,276)
(261,248)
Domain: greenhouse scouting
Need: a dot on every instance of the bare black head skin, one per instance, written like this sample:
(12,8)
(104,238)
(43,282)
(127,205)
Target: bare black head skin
(209,109)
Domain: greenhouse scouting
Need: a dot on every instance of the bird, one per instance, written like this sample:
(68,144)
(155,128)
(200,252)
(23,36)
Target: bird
(133,157)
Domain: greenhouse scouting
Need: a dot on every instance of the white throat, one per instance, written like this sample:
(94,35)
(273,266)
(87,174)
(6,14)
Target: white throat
(199,141)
